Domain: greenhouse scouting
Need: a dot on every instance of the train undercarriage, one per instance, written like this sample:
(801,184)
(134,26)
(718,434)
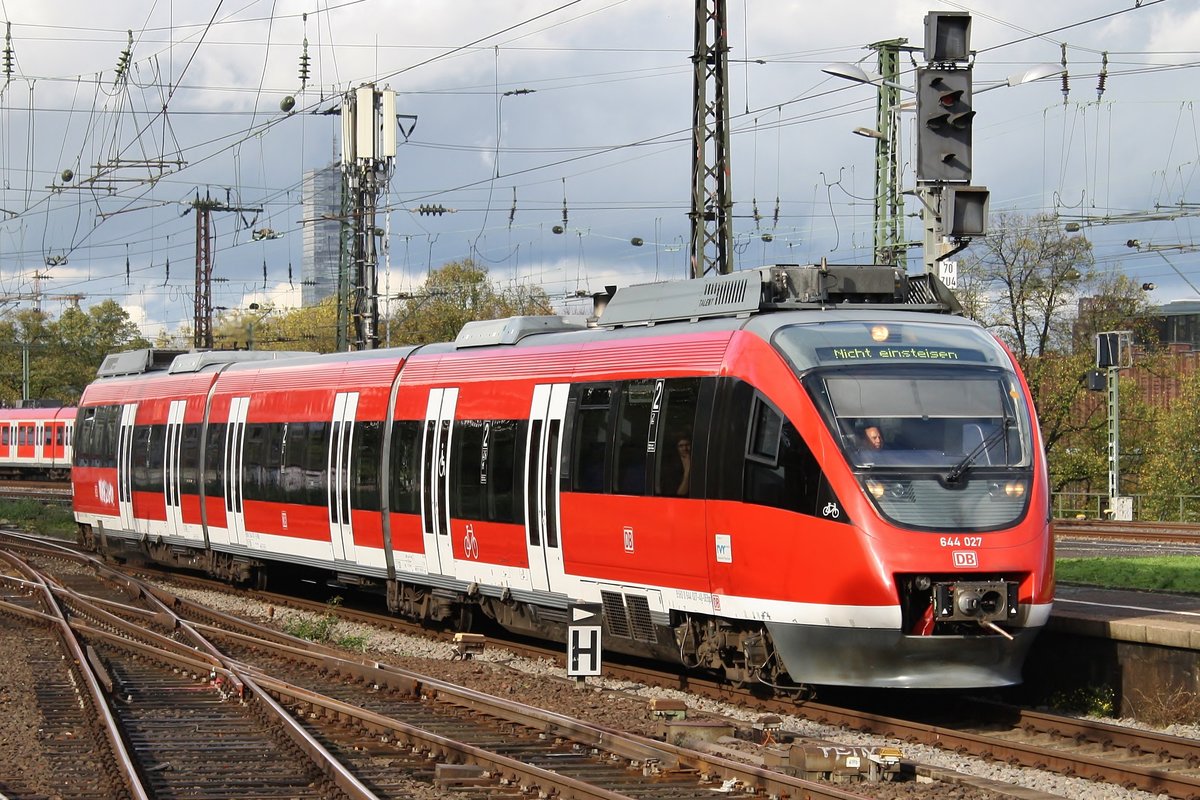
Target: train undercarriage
(741,652)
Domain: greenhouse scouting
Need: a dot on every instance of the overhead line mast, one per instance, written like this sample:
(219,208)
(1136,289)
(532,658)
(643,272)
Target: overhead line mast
(712,198)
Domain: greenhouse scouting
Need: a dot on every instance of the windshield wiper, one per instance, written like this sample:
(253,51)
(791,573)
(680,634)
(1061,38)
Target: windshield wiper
(961,467)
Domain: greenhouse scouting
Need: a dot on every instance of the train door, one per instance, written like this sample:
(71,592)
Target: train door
(171,477)
(235,440)
(341,530)
(26,448)
(52,451)
(435,480)
(125,467)
(542,453)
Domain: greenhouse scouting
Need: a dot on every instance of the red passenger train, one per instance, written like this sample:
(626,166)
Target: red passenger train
(36,442)
(699,461)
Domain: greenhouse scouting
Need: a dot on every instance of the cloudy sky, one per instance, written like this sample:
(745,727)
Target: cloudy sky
(529,111)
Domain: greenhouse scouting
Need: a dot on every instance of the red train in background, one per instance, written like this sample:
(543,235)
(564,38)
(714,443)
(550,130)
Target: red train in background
(37,443)
(699,461)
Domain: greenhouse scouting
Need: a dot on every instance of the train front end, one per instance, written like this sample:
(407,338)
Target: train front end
(933,449)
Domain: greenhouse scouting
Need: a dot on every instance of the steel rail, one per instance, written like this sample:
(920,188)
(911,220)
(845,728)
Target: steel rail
(87,671)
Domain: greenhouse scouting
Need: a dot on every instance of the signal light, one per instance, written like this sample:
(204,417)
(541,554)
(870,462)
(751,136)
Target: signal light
(947,36)
(965,210)
(944,120)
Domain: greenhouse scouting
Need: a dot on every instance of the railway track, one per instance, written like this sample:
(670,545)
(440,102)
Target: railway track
(210,704)
(1101,752)
(1170,532)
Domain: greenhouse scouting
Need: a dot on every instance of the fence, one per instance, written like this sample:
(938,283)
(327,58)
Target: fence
(1146,507)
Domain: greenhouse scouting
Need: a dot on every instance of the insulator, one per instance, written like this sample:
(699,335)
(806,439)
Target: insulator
(1103,79)
(304,62)
(565,220)
(1066,80)
(8,51)
(124,59)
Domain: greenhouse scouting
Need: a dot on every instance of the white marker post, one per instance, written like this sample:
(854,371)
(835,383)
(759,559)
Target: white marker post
(583,641)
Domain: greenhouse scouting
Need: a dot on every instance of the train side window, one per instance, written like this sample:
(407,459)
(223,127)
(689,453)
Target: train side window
(469,480)
(678,423)
(405,469)
(633,430)
(505,466)
(139,458)
(364,465)
(589,434)
(781,470)
(189,460)
(85,423)
(316,463)
(253,457)
(4,434)
(272,465)
(214,460)
(146,457)
(108,421)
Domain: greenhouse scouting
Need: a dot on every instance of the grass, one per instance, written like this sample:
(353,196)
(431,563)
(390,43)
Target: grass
(34,516)
(1179,574)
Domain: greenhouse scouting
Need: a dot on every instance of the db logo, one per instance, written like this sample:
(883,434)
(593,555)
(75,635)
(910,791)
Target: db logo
(628,534)
(965,558)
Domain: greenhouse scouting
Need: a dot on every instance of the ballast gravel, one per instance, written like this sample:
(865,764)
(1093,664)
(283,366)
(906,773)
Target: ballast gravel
(625,705)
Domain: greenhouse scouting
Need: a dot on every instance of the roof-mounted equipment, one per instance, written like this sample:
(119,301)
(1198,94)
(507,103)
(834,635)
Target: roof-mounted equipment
(778,288)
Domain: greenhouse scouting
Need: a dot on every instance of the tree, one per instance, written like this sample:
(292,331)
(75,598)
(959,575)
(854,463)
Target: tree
(62,354)
(455,294)
(1022,279)
(1171,467)
(267,327)
(1038,290)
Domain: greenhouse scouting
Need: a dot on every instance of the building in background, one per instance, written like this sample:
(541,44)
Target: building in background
(322,194)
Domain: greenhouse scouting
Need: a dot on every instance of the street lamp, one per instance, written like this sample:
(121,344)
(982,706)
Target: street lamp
(853,72)
(1034,73)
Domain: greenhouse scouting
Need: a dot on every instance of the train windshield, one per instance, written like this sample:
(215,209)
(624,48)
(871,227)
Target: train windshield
(951,420)
(931,417)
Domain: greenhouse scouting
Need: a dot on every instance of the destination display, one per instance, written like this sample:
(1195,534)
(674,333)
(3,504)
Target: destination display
(901,353)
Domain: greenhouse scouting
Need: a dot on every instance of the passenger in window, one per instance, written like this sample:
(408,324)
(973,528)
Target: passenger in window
(684,448)
(677,468)
(872,438)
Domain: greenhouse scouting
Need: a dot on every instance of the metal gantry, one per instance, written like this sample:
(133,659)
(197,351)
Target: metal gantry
(712,199)
(202,337)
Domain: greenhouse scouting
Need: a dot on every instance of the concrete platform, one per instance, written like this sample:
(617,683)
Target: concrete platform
(1140,651)
(1140,617)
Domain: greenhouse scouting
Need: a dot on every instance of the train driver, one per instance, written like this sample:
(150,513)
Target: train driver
(873,437)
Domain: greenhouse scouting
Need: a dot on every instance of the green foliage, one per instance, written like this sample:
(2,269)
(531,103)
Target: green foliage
(308,329)
(315,629)
(63,353)
(34,516)
(1179,574)
(1038,290)
(1172,461)
(1092,701)
(455,294)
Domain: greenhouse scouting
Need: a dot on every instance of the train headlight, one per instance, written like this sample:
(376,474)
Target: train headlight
(1015,489)
(876,488)
(879,333)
